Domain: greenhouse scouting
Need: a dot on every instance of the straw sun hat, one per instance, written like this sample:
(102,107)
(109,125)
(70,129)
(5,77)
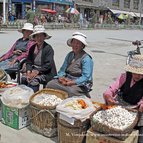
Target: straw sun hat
(135,65)
(39,29)
(27,26)
(79,36)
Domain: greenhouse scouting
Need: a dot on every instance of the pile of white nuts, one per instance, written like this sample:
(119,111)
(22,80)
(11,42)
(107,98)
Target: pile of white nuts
(117,118)
(47,100)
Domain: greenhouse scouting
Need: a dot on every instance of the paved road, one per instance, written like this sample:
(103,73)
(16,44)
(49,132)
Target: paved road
(109,60)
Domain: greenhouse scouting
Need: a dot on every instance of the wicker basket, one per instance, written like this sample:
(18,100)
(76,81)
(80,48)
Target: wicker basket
(119,134)
(3,75)
(44,118)
(68,133)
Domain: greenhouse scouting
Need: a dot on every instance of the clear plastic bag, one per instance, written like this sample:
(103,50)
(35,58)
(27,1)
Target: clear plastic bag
(17,96)
(81,114)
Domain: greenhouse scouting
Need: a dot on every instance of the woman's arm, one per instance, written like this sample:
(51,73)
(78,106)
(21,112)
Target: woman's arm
(63,68)
(25,54)
(110,94)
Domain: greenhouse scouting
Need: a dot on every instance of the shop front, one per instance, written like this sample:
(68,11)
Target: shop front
(18,7)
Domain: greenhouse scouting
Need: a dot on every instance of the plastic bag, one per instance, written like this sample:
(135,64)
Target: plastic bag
(81,114)
(17,96)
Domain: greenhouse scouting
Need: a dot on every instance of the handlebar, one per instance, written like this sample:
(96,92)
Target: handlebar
(136,42)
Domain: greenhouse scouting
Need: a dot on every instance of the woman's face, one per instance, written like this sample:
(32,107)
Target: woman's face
(39,38)
(77,46)
(137,77)
(26,33)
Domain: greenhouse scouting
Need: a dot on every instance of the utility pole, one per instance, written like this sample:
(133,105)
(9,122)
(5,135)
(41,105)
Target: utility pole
(140,9)
(34,5)
(4,14)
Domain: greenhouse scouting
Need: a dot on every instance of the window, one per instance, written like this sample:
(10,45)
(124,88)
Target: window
(136,4)
(115,3)
(126,3)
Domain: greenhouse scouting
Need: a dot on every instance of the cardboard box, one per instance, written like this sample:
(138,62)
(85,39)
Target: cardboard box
(0,109)
(14,117)
(96,137)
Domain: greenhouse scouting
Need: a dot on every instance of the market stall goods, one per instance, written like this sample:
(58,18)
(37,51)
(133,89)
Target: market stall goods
(17,96)
(7,84)
(43,113)
(76,104)
(115,121)
(73,119)
(68,133)
(15,106)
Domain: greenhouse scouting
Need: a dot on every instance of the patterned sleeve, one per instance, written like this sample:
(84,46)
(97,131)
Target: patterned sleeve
(115,86)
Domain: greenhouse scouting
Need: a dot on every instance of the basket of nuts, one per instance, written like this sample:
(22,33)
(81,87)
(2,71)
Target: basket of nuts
(43,114)
(117,122)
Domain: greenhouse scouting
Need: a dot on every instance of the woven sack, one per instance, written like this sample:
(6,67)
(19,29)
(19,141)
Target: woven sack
(116,133)
(76,133)
(3,75)
(44,118)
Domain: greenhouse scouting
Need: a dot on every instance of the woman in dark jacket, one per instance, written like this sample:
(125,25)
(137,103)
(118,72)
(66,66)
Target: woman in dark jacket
(40,65)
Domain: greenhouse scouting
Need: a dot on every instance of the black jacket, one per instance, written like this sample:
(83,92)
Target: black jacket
(47,61)
(132,94)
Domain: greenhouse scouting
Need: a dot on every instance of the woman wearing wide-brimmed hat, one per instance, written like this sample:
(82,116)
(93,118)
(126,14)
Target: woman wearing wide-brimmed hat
(128,88)
(40,65)
(75,75)
(19,50)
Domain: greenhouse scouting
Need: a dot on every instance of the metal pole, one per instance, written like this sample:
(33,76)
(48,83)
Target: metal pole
(34,5)
(140,9)
(10,6)
(4,15)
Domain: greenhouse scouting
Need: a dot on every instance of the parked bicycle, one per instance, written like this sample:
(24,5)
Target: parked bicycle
(137,51)
(131,53)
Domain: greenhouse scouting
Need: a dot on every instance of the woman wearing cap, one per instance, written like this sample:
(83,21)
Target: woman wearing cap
(75,75)
(19,50)
(40,65)
(128,88)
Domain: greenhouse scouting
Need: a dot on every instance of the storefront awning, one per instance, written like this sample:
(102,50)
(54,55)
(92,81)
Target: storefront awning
(68,2)
(20,1)
(87,5)
(134,14)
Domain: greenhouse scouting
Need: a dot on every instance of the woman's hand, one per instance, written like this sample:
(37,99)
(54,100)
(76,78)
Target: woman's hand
(140,103)
(66,81)
(12,62)
(30,75)
(17,52)
(70,83)
(109,99)
(35,73)
(62,80)
(1,59)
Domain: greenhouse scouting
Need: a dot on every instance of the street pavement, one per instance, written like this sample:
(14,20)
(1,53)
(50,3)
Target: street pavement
(109,58)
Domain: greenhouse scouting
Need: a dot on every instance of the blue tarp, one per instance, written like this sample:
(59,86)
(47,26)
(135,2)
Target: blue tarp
(69,2)
(20,1)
